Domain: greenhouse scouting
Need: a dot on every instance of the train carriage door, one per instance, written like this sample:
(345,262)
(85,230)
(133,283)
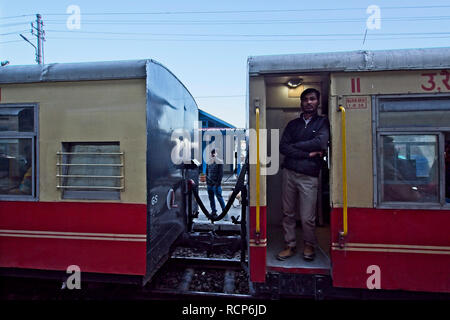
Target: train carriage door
(281,105)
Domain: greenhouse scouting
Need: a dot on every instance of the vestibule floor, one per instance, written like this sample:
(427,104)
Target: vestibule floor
(275,243)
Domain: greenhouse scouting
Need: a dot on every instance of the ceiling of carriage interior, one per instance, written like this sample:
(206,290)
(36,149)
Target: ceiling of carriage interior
(281,94)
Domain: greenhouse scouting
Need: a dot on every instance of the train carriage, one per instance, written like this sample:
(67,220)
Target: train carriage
(383,211)
(86,173)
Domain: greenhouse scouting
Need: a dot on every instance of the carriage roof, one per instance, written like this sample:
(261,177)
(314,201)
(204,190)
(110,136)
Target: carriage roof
(81,71)
(352,61)
(104,70)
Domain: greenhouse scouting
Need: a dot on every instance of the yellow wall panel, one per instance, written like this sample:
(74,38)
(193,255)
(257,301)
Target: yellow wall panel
(88,111)
(359,156)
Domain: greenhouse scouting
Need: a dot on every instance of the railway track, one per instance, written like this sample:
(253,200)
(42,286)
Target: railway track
(201,277)
(182,277)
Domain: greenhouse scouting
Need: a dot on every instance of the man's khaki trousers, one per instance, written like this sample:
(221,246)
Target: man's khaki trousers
(297,185)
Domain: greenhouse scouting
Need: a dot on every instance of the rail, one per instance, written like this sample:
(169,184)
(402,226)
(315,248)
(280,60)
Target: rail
(344,232)
(258,225)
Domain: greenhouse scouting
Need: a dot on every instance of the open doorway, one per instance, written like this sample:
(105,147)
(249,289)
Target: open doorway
(283,105)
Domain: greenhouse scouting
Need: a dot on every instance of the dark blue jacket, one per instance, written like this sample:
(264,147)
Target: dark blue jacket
(214,172)
(299,140)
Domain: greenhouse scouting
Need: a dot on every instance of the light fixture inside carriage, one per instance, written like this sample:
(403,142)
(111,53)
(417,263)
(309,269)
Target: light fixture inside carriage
(294,83)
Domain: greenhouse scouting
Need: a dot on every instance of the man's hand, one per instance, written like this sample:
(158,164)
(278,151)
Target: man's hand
(315,154)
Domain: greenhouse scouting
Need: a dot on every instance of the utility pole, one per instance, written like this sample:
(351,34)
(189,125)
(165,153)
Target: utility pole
(40,38)
(40,33)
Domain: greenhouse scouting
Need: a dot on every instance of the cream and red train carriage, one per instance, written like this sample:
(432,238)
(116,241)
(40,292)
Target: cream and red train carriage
(86,176)
(384,211)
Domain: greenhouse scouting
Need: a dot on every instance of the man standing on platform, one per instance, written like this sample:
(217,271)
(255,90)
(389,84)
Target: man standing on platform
(214,174)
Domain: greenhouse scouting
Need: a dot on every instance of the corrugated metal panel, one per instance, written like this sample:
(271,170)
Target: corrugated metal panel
(104,70)
(404,59)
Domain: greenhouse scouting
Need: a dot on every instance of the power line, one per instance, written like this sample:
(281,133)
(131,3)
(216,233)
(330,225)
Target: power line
(1,42)
(14,32)
(251,11)
(231,11)
(248,22)
(250,35)
(14,17)
(247,40)
(7,25)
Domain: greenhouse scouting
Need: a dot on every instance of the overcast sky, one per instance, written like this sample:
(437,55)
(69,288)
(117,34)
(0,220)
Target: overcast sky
(206,43)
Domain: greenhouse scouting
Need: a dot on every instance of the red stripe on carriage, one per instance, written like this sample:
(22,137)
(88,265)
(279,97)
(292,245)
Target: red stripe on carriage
(258,249)
(257,263)
(38,235)
(410,248)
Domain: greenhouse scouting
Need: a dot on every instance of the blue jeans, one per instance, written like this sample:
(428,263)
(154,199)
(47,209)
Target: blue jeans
(217,191)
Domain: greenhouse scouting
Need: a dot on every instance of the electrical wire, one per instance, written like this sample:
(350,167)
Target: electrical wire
(8,25)
(20,16)
(2,42)
(14,32)
(242,40)
(248,35)
(252,11)
(246,21)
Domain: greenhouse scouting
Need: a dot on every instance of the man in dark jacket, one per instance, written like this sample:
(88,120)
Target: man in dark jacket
(214,174)
(303,143)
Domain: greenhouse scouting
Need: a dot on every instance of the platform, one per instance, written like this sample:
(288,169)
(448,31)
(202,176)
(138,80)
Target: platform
(203,224)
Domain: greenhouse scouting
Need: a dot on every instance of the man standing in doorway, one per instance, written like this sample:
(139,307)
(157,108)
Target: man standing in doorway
(214,174)
(303,144)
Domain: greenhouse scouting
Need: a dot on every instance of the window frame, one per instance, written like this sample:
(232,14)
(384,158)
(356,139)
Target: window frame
(377,134)
(33,135)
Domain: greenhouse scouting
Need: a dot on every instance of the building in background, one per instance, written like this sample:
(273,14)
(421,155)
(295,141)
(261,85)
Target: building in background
(215,127)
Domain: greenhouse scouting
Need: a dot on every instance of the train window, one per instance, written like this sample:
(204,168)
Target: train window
(17,151)
(413,146)
(90,170)
(409,168)
(17,119)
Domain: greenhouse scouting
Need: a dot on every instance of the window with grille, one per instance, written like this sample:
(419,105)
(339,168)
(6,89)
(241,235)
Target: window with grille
(91,170)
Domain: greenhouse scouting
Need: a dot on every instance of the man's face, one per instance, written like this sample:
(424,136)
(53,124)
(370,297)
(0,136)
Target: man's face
(310,103)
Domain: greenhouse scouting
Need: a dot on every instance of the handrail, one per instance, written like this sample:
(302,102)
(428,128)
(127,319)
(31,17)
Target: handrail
(258,225)
(86,176)
(90,187)
(344,173)
(91,164)
(91,153)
